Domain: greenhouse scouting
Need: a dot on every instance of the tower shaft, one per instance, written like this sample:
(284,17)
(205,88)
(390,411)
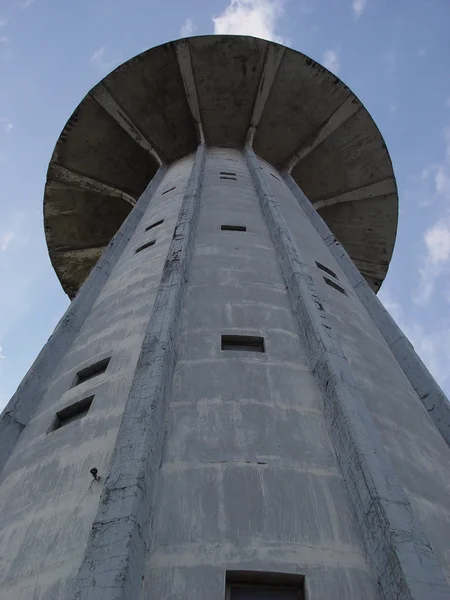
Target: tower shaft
(230,376)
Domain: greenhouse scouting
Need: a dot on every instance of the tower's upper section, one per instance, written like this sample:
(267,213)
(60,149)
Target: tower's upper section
(227,91)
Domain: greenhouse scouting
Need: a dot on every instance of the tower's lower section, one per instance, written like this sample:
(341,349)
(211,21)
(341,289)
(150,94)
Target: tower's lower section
(241,406)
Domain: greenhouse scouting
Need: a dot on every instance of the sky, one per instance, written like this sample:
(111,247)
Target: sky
(393,54)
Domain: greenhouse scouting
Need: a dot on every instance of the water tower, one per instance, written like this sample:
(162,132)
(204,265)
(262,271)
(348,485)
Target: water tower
(225,410)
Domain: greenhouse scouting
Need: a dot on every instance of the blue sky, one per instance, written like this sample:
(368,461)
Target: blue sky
(394,54)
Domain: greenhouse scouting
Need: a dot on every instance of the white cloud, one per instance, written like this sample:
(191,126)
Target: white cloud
(104,61)
(5,124)
(2,356)
(436,238)
(250,17)
(331,60)
(6,239)
(188,28)
(358,7)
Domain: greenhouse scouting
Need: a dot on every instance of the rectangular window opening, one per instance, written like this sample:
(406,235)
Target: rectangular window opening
(334,285)
(248,585)
(233,228)
(75,411)
(91,371)
(247,343)
(144,246)
(226,177)
(153,225)
(169,190)
(228,173)
(327,270)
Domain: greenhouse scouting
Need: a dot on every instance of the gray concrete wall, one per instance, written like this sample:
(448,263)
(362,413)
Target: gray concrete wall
(47,502)
(226,459)
(248,479)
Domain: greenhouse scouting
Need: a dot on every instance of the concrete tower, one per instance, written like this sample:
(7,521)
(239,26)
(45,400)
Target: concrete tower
(225,410)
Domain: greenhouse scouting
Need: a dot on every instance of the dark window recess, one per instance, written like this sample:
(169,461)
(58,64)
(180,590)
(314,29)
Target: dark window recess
(248,585)
(262,592)
(275,177)
(233,228)
(169,190)
(91,371)
(327,270)
(248,343)
(334,285)
(154,225)
(144,246)
(75,411)
(227,175)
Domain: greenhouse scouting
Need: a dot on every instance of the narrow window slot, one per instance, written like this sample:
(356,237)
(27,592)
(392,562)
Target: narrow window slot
(233,228)
(231,178)
(257,585)
(334,285)
(327,270)
(275,177)
(169,190)
(154,225)
(144,246)
(91,371)
(75,411)
(228,173)
(247,343)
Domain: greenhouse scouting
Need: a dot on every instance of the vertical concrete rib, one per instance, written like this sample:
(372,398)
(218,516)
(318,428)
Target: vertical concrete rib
(429,392)
(272,62)
(187,74)
(400,554)
(22,405)
(113,564)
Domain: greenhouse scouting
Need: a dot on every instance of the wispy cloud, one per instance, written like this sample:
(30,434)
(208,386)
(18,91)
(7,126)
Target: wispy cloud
(24,4)
(104,60)
(5,124)
(6,239)
(2,356)
(331,60)
(436,238)
(188,28)
(358,7)
(3,22)
(250,17)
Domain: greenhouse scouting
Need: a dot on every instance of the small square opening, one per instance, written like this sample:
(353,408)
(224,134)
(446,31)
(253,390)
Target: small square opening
(233,228)
(144,246)
(246,343)
(75,411)
(326,270)
(334,285)
(153,225)
(92,371)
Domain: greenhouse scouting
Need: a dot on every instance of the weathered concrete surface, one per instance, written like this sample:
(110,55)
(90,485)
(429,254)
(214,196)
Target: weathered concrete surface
(315,457)
(248,476)
(224,90)
(47,502)
(429,392)
(121,534)
(400,553)
(23,404)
